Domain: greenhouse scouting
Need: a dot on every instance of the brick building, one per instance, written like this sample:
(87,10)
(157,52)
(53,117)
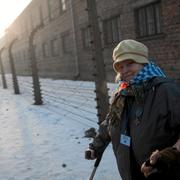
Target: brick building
(63,48)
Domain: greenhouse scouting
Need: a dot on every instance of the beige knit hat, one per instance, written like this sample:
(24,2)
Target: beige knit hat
(130,49)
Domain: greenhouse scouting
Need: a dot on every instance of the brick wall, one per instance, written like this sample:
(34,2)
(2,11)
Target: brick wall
(78,64)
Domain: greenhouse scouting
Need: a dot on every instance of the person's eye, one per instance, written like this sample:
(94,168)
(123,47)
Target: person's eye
(130,64)
(119,67)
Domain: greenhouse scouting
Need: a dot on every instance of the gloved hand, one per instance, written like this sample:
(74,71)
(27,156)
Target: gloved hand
(90,153)
(170,156)
(161,161)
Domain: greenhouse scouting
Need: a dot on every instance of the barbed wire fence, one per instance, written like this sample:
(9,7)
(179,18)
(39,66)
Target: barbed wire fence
(65,98)
(82,101)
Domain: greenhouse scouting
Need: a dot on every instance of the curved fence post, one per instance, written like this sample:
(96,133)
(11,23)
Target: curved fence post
(35,76)
(2,70)
(13,70)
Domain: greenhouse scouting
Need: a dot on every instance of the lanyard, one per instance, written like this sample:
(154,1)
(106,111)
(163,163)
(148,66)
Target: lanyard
(125,138)
(126,116)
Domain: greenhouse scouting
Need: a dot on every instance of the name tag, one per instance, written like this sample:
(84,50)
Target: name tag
(125,140)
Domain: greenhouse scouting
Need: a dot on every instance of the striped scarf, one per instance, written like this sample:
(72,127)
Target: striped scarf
(149,71)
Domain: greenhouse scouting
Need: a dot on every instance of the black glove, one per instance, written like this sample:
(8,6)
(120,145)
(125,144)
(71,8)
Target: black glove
(88,152)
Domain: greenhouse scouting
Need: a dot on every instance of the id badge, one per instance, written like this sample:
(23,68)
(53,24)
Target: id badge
(125,140)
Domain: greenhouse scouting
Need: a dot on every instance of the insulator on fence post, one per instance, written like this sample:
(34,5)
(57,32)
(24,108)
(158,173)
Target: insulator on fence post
(2,71)
(13,70)
(100,75)
(35,76)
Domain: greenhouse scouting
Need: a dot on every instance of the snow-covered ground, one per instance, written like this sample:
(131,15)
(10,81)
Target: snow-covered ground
(47,142)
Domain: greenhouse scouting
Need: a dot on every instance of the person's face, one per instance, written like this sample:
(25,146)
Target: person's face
(128,69)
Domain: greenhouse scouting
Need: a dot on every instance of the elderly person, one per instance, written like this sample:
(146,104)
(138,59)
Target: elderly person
(143,122)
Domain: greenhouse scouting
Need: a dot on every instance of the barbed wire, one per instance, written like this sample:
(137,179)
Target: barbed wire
(64,97)
(59,102)
(53,96)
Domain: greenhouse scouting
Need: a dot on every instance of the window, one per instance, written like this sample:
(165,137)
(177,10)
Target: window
(19,56)
(24,54)
(45,49)
(66,43)
(53,7)
(111,29)
(63,6)
(16,57)
(40,15)
(36,51)
(148,20)
(26,28)
(86,37)
(54,47)
(31,23)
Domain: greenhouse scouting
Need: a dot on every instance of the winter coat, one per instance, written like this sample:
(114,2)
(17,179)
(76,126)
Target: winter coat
(151,117)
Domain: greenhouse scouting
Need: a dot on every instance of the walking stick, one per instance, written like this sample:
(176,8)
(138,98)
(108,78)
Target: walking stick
(96,164)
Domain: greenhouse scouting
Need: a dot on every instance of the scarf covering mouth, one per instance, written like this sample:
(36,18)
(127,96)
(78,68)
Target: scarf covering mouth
(149,71)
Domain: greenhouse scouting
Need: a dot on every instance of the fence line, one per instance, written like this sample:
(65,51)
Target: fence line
(73,99)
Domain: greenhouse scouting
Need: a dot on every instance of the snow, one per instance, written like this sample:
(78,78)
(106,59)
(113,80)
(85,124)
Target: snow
(47,142)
